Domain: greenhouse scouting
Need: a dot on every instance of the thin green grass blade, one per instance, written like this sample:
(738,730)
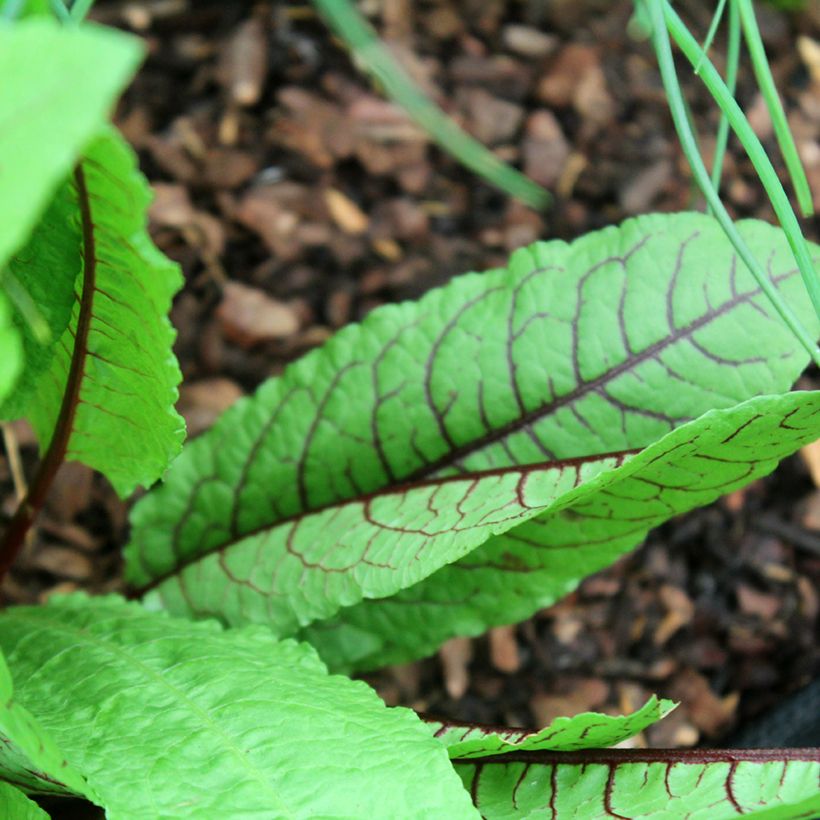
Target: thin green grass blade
(785,140)
(344,19)
(663,50)
(732,63)
(755,150)
(713,27)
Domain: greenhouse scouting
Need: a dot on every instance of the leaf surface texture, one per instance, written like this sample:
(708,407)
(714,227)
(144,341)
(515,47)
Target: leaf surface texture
(168,718)
(581,351)
(648,785)
(116,349)
(588,730)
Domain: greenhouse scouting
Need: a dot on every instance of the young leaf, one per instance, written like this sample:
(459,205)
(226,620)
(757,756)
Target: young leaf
(29,757)
(113,381)
(58,84)
(168,718)
(565,734)
(14,805)
(646,784)
(531,566)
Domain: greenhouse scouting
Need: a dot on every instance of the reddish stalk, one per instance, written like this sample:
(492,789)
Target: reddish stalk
(14,537)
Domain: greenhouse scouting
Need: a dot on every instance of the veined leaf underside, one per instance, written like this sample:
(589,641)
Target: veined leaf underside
(501,369)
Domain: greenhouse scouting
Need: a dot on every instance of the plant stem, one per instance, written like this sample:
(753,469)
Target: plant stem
(346,21)
(732,63)
(79,9)
(28,508)
(763,73)
(713,27)
(754,149)
(60,11)
(663,50)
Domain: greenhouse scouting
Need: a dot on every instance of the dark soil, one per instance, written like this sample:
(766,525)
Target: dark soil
(297,200)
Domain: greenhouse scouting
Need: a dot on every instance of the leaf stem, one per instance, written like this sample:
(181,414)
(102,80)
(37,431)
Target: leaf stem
(29,507)
(666,63)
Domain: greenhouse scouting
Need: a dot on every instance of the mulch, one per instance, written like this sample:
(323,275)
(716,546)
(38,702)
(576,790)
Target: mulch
(297,199)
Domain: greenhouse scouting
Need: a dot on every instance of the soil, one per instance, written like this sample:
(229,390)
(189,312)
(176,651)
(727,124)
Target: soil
(296,200)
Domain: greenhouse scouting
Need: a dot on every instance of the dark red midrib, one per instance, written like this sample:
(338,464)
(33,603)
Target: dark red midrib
(422,476)
(616,757)
(26,512)
(524,420)
(569,463)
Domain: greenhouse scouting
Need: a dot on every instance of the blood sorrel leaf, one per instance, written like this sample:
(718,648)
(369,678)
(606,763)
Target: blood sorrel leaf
(305,569)
(531,566)
(29,757)
(588,730)
(58,84)
(112,384)
(14,805)
(575,350)
(169,718)
(599,346)
(646,784)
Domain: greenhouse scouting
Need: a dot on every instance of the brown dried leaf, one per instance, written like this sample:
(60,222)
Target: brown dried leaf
(244,62)
(203,401)
(249,316)
(455,656)
(345,212)
(504,649)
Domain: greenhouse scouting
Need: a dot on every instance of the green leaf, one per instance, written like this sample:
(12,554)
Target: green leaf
(531,566)
(168,718)
(113,380)
(40,279)
(14,805)
(307,568)
(58,85)
(29,757)
(646,784)
(11,350)
(573,351)
(588,730)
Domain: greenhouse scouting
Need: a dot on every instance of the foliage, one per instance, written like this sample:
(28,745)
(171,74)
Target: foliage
(238,725)
(442,467)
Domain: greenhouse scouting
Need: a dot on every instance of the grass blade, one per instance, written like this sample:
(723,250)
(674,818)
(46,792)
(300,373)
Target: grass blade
(361,40)
(662,13)
(763,74)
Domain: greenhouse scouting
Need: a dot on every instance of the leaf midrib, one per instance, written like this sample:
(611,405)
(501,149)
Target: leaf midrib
(531,417)
(570,463)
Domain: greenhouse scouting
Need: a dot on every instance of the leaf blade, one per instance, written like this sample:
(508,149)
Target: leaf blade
(14,805)
(172,700)
(375,406)
(113,380)
(55,106)
(29,756)
(643,784)
(587,730)
(514,574)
